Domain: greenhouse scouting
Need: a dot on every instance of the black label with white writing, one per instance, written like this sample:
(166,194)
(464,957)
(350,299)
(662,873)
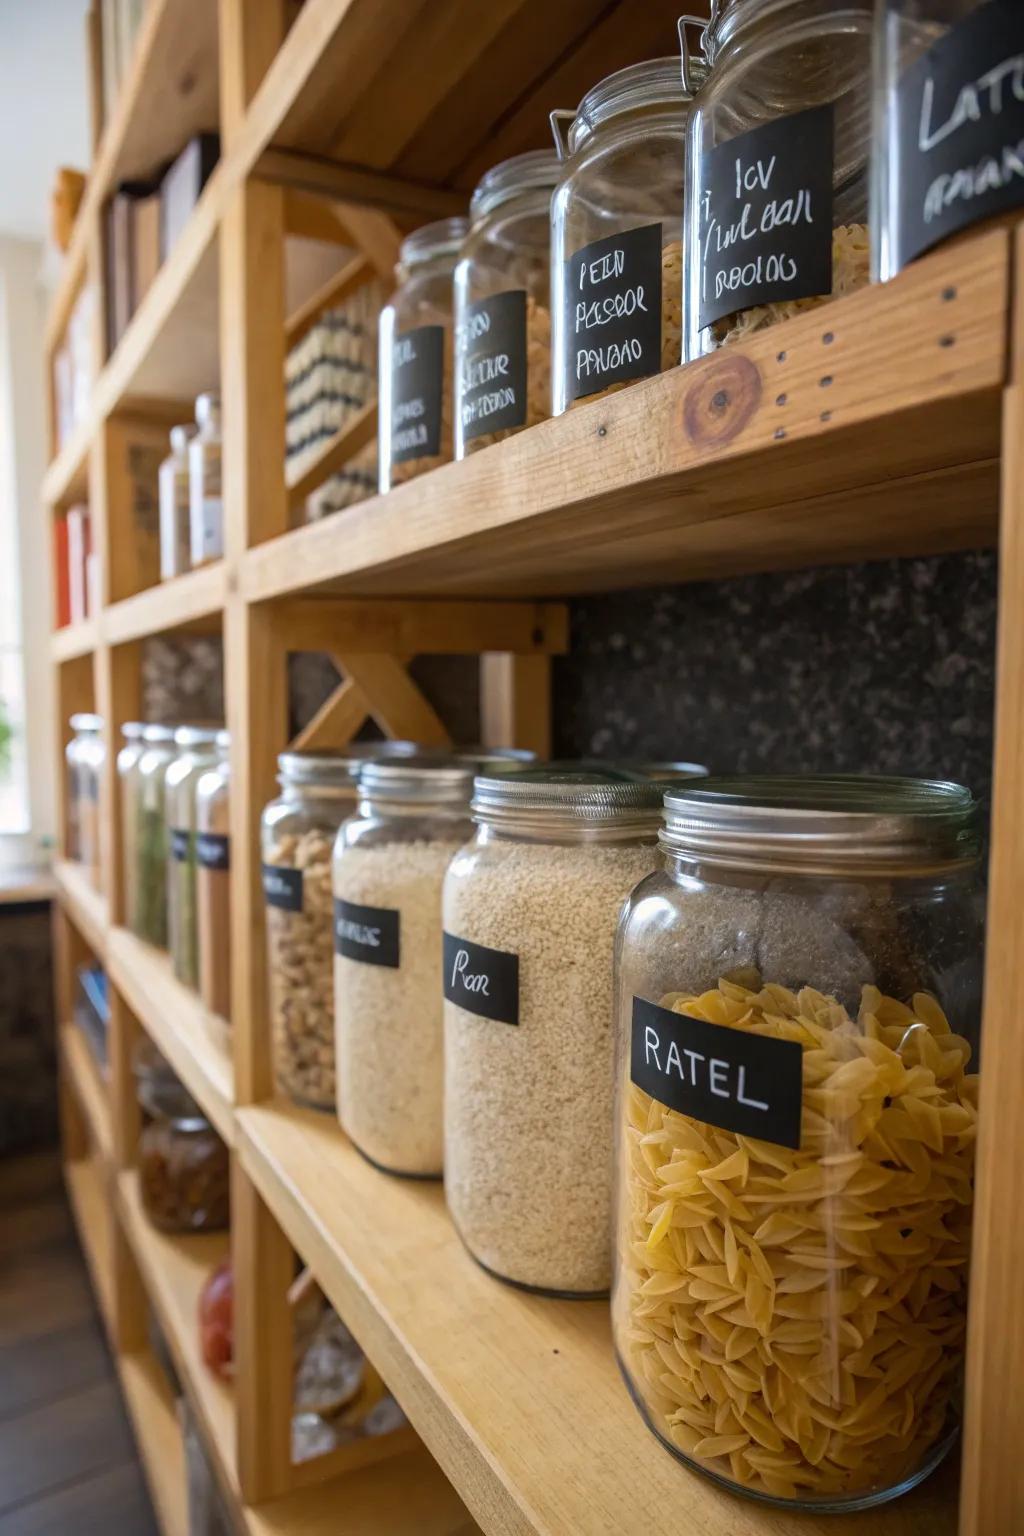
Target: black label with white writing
(481,980)
(492,364)
(213,850)
(369,934)
(958,150)
(613,311)
(181,844)
(282,887)
(766,216)
(725,1077)
(417,382)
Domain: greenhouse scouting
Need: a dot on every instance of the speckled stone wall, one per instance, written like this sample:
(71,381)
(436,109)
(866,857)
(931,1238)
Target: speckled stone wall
(881,668)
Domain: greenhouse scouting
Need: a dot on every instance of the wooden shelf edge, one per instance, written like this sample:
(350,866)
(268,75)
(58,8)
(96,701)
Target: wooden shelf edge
(89,1197)
(65,479)
(74,640)
(84,904)
(181,603)
(154,1419)
(87,1080)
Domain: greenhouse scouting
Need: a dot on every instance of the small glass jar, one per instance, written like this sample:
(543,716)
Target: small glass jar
(213,881)
(389,866)
(502,298)
(206,506)
(530,908)
(415,355)
(949,119)
(195,752)
(778,222)
(798,1004)
(175,506)
(617,230)
(128,760)
(184,1169)
(85,755)
(149,917)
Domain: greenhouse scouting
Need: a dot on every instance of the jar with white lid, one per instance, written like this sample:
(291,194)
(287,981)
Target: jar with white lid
(196,750)
(530,908)
(213,881)
(502,299)
(206,505)
(415,355)
(798,1000)
(949,122)
(175,506)
(85,755)
(617,230)
(128,760)
(777,205)
(148,918)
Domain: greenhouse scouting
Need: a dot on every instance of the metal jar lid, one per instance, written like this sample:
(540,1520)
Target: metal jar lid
(338,768)
(824,824)
(86,722)
(158,733)
(196,736)
(568,798)
(429,779)
(133,730)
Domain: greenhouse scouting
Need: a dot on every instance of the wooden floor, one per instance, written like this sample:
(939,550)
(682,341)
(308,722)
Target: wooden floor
(67,1459)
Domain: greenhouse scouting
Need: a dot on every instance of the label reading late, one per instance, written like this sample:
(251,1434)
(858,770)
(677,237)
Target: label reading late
(481,980)
(766,216)
(180,843)
(282,887)
(724,1077)
(369,934)
(613,311)
(959,129)
(492,364)
(417,379)
(213,850)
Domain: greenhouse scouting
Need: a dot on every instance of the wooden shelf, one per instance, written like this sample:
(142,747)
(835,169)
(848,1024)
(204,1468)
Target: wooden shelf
(154,1416)
(84,904)
(88,1083)
(194,601)
(66,479)
(86,1181)
(74,640)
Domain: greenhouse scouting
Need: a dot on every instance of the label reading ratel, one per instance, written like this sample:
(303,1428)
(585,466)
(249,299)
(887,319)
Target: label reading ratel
(613,311)
(213,850)
(180,843)
(282,887)
(417,379)
(492,376)
(369,934)
(958,143)
(481,980)
(766,216)
(725,1077)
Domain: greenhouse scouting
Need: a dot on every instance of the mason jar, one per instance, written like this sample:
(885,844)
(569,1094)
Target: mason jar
(184,1167)
(617,230)
(949,120)
(206,504)
(777,206)
(415,355)
(148,918)
(530,908)
(798,999)
(213,881)
(128,760)
(195,751)
(175,506)
(85,755)
(390,860)
(502,304)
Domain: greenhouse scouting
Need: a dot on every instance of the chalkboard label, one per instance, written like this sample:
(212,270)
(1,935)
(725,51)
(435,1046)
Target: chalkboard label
(613,311)
(213,850)
(959,130)
(369,934)
(282,887)
(180,844)
(417,381)
(492,364)
(766,216)
(728,1078)
(481,980)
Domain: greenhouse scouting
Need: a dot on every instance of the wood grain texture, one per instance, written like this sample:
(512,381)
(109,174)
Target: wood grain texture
(88,1083)
(394,700)
(515,702)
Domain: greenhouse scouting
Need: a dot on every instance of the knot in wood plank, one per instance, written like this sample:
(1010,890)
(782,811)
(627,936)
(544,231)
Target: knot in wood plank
(721,400)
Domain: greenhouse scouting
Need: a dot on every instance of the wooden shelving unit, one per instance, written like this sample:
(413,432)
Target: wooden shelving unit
(889,423)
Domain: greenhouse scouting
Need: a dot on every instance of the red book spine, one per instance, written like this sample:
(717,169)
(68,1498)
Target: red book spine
(61,585)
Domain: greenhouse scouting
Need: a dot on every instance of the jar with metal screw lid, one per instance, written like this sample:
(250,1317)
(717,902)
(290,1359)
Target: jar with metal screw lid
(213,881)
(206,505)
(184,1169)
(85,755)
(148,919)
(196,749)
(777,207)
(798,999)
(128,760)
(175,506)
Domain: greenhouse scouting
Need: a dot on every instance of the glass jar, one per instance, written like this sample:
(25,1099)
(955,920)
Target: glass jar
(777,223)
(530,908)
(206,506)
(389,865)
(184,1170)
(149,917)
(195,751)
(502,299)
(798,1003)
(175,506)
(213,881)
(616,232)
(85,755)
(415,355)
(949,120)
(128,760)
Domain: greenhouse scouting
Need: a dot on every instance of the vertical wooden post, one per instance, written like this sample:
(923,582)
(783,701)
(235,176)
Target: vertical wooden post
(515,702)
(118,699)
(251,32)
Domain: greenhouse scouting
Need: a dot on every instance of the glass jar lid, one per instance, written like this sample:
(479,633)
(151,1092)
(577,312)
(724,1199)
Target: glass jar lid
(824,823)
(537,169)
(730,17)
(442,238)
(568,798)
(654,83)
(86,722)
(196,736)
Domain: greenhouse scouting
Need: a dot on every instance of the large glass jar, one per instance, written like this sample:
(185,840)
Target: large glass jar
(128,760)
(949,121)
(184,1169)
(415,355)
(149,917)
(196,750)
(213,881)
(85,755)
(175,506)
(798,1008)
(530,908)
(206,505)
(389,865)
(616,233)
(502,299)
(777,205)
